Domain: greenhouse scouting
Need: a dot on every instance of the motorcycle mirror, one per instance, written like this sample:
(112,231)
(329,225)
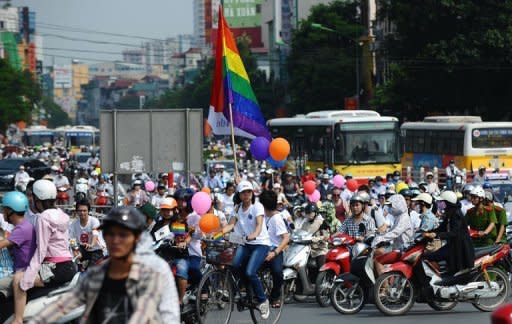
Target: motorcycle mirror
(362,228)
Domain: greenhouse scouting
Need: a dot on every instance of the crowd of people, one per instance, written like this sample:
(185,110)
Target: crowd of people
(41,242)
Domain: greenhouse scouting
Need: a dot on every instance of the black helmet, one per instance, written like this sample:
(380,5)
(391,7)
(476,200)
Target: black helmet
(184,194)
(127,217)
(407,193)
(311,208)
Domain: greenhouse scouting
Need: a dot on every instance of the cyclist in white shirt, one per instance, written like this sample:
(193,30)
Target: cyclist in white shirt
(248,221)
(84,231)
(279,238)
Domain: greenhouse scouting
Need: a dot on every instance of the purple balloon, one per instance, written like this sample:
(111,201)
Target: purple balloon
(259,148)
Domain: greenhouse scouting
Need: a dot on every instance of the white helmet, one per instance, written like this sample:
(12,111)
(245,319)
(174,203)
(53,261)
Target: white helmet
(448,196)
(478,191)
(44,190)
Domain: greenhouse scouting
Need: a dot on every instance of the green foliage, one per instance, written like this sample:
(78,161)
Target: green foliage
(18,93)
(322,63)
(452,56)
(57,116)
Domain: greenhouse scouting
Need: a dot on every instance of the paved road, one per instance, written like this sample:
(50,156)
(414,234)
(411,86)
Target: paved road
(310,313)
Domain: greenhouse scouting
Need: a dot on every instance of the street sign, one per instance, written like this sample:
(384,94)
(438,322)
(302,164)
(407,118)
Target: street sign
(156,140)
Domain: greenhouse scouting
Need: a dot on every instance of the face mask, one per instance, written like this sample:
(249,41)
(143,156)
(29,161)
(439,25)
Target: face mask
(397,178)
(378,183)
(417,208)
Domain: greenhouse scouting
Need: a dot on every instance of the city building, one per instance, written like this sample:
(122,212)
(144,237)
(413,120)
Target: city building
(134,56)
(117,69)
(243,17)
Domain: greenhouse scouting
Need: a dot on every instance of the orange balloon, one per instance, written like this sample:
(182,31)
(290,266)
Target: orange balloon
(209,223)
(279,149)
(207,190)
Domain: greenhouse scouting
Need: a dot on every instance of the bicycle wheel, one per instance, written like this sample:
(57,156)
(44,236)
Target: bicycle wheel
(214,300)
(265,276)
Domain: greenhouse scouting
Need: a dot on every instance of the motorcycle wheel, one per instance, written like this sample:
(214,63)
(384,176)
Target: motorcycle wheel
(289,290)
(442,306)
(394,294)
(347,299)
(298,291)
(323,286)
(490,304)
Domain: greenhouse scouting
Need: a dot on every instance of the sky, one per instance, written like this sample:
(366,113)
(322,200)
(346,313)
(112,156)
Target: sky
(154,19)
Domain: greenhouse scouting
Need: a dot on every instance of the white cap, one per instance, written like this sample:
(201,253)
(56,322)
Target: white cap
(94,173)
(425,197)
(276,185)
(250,175)
(55,168)
(429,174)
(22,167)
(269,171)
(243,186)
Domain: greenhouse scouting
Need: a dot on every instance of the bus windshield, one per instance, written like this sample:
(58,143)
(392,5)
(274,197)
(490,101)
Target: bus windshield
(370,146)
(38,139)
(492,137)
(80,139)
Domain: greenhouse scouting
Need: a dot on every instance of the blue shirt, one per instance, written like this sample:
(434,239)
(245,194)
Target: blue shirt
(429,222)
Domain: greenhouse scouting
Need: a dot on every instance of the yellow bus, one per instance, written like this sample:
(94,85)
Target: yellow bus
(360,142)
(467,140)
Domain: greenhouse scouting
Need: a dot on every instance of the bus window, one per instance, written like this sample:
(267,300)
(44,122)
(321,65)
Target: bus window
(369,146)
(491,138)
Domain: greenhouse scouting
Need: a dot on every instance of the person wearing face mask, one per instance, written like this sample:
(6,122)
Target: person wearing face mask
(458,251)
(413,210)
(377,187)
(423,203)
(315,224)
(400,235)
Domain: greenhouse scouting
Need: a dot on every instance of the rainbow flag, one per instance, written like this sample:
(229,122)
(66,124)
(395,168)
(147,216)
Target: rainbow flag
(218,236)
(231,85)
(178,228)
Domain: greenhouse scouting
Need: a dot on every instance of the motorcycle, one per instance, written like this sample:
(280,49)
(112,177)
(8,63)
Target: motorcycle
(353,289)
(412,278)
(299,269)
(337,261)
(165,248)
(38,299)
(81,189)
(62,196)
(102,201)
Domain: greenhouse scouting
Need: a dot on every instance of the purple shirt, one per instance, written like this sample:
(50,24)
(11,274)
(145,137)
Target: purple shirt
(23,237)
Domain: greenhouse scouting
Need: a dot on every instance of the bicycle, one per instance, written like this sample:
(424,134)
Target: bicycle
(223,288)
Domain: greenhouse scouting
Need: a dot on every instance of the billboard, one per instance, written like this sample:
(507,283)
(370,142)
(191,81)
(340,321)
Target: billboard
(238,13)
(159,140)
(62,76)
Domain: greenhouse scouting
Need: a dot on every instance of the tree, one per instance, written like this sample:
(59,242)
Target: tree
(56,116)
(18,93)
(322,62)
(448,56)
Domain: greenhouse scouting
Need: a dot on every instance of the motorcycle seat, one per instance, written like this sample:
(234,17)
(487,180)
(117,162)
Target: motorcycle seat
(481,251)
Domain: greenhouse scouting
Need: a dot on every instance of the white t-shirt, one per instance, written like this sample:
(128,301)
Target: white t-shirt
(415,220)
(86,233)
(194,246)
(246,224)
(227,204)
(276,227)
(61,181)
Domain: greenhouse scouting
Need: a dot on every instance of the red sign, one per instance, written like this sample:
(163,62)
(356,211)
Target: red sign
(351,103)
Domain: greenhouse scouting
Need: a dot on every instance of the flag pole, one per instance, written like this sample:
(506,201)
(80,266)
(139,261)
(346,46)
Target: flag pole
(233,139)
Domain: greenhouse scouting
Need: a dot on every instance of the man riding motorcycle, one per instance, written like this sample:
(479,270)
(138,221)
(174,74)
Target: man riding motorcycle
(351,226)
(481,218)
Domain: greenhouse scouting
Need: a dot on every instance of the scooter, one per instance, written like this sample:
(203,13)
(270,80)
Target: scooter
(486,286)
(62,196)
(299,269)
(38,299)
(81,189)
(337,261)
(353,289)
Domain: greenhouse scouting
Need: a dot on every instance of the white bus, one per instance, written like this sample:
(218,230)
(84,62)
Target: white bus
(79,136)
(360,142)
(38,135)
(466,139)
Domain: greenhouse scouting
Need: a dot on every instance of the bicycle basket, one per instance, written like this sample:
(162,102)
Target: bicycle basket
(220,253)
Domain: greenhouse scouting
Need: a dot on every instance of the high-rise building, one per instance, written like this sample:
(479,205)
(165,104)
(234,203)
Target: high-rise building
(243,17)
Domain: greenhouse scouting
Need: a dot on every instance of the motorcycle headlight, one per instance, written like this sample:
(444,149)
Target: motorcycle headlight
(359,249)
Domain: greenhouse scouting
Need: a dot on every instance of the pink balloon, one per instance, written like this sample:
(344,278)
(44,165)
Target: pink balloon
(150,186)
(201,202)
(314,197)
(338,181)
